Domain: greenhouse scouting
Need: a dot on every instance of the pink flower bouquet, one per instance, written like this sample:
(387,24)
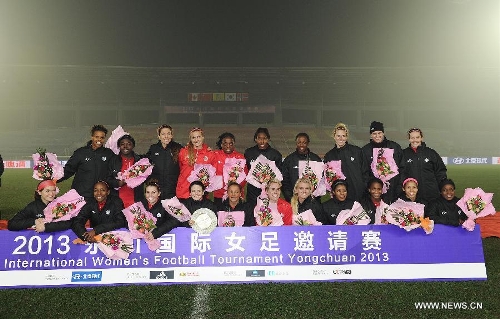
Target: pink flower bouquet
(264,215)
(205,173)
(332,172)
(112,141)
(46,166)
(262,171)
(383,165)
(380,214)
(176,209)
(230,219)
(407,215)
(64,208)
(475,203)
(115,244)
(137,173)
(305,218)
(140,222)
(234,170)
(314,172)
(354,216)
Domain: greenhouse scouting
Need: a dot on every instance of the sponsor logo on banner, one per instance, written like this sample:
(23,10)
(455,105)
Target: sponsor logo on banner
(56,277)
(256,273)
(320,272)
(86,276)
(17,164)
(161,275)
(137,275)
(471,160)
(272,273)
(189,274)
(341,272)
(233,273)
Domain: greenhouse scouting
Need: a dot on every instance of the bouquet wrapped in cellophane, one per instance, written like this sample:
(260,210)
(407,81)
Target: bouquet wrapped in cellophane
(475,203)
(409,216)
(176,209)
(332,172)
(313,171)
(234,170)
(306,218)
(383,166)
(230,219)
(112,142)
(46,166)
(137,173)
(115,244)
(264,215)
(140,221)
(64,207)
(354,216)
(205,173)
(262,170)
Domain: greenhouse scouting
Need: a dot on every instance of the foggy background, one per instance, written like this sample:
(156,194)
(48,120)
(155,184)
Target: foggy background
(66,65)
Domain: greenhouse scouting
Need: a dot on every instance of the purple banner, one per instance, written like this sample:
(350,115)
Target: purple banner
(246,254)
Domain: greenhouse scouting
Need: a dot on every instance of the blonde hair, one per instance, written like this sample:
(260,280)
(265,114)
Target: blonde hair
(190,147)
(342,127)
(272,181)
(295,198)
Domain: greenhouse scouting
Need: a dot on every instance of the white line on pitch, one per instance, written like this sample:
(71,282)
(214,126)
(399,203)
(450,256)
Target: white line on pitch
(200,302)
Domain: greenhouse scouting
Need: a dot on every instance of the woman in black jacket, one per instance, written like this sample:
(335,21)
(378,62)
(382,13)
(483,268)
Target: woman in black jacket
(1,169)
(234,202)
(164,221)
(338,202)
(103,211)
(379,141)
(89,164)
(372,199)
(290,166)
(197,198)
(32,215)
(424,164)
(164,156)
(303,200)
(444,210)
(262,147)
(353,161)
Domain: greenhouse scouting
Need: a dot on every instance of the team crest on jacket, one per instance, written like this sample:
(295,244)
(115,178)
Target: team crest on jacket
(205,158)
(426,160)
(104,158)
(352,159)
(158,215)
(39,215)
(157,154)
(87,159)
(108,212)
